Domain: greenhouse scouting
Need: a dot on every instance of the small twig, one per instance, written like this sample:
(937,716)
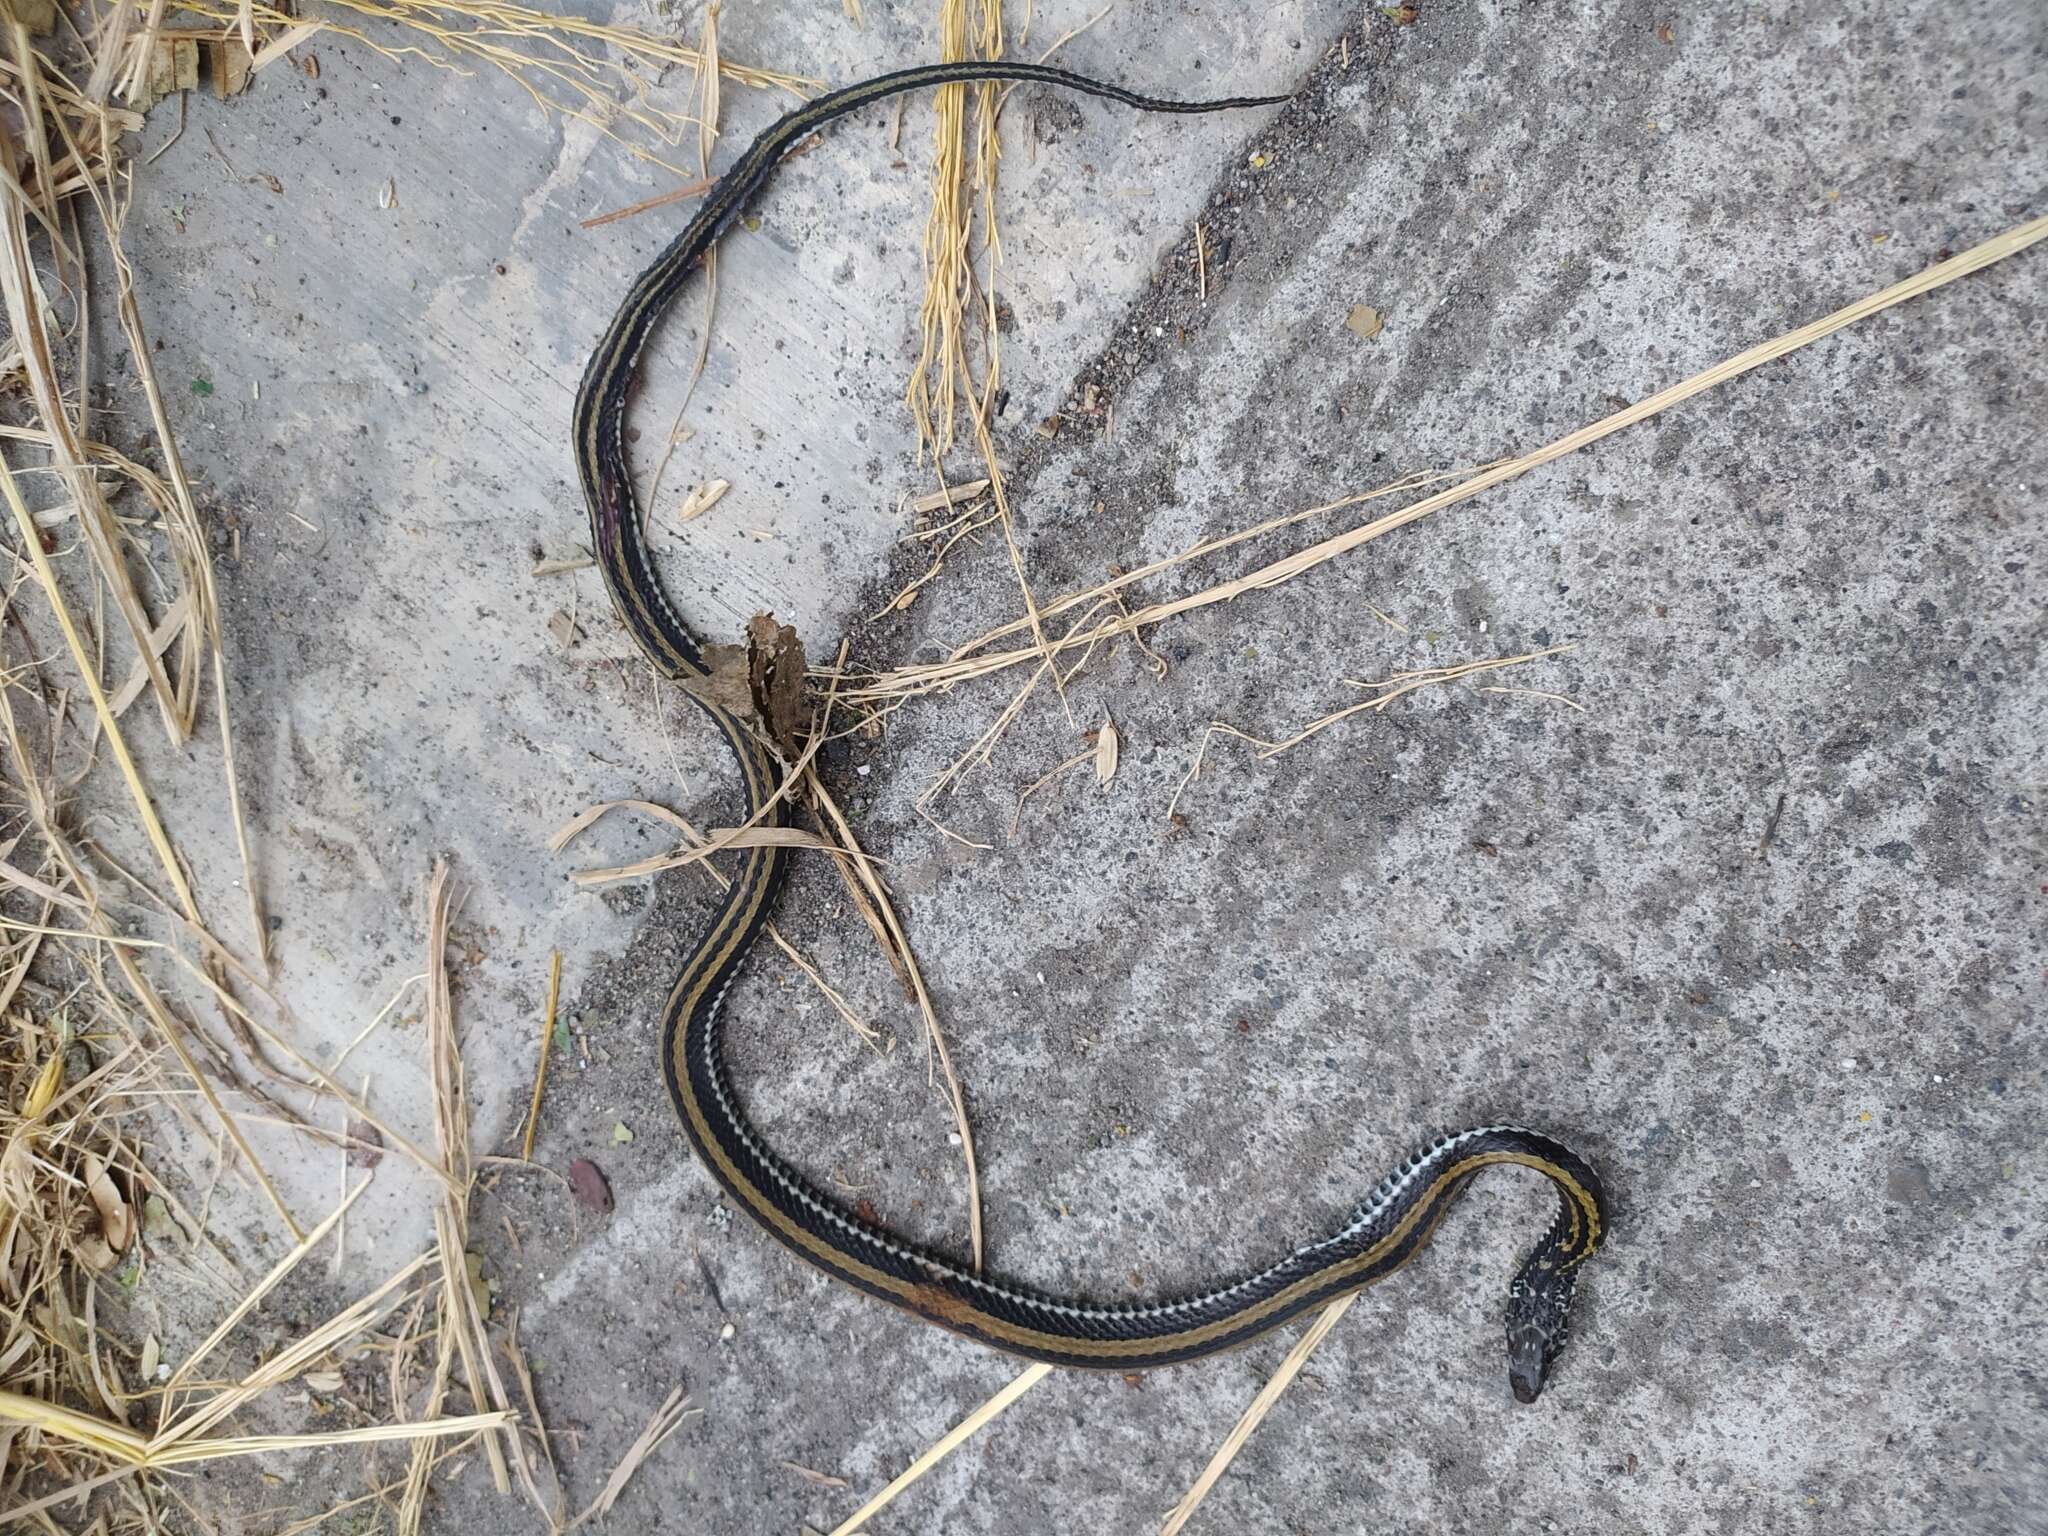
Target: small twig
(1073,762)
(947,1444)
(648,204)
(547,1037)
(1269,1394)
(1763,847)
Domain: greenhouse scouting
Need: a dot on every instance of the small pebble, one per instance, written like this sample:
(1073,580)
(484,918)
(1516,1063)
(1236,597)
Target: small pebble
(725,1334)
(1848,1063)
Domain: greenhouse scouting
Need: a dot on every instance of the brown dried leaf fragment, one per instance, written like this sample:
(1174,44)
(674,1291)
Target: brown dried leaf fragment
(1363,322)
(592,1189)
(365,1144)
(702,498)
(775,680)
(725,684)
(117,1221)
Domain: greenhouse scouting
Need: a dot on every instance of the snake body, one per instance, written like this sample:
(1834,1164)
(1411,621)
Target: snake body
(1380,1235)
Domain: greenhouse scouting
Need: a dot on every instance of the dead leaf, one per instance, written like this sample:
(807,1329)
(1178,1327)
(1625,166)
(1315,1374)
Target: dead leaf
(1105,751)
(565,629)
(702,499)
(775,678)
(330,1381)
(152,1355)
(94,1253)
(366,1144)
(621,1133)
(1667,33)
(173,67)
(726,683)
(117,1221)
(232,65)
(557,565)
(1363,322)
(590,1187)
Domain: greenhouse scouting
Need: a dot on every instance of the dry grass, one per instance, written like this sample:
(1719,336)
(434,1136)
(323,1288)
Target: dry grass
(1260,1406)
(1380,695)
(110,604)
(976,658)
(668,1418)
(547,1040)
(568,66)
(943,1447)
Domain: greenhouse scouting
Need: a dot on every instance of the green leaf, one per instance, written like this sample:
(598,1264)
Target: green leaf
(202,386)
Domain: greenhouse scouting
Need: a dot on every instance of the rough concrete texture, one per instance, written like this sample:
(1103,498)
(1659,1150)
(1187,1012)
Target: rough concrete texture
(1757,926)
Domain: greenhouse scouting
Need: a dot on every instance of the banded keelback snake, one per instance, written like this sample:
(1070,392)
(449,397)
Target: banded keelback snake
(1383,1233)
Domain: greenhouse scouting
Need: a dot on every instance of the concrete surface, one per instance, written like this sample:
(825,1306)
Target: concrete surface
(1812,1071)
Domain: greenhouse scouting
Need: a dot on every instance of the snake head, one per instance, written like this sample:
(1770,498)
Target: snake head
(1539,1303)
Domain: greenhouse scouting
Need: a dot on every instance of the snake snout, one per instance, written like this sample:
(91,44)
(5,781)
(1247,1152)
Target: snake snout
(1527,1367)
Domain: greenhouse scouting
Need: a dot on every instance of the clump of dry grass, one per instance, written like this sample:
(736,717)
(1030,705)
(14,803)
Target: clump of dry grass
(113,605)
(568,65)
(66,1218)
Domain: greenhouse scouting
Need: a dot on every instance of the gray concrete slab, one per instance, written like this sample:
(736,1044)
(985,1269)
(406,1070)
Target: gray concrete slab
(1810,602)
(388,348)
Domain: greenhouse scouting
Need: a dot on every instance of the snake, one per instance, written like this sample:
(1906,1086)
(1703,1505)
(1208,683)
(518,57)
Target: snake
(1380,1234)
